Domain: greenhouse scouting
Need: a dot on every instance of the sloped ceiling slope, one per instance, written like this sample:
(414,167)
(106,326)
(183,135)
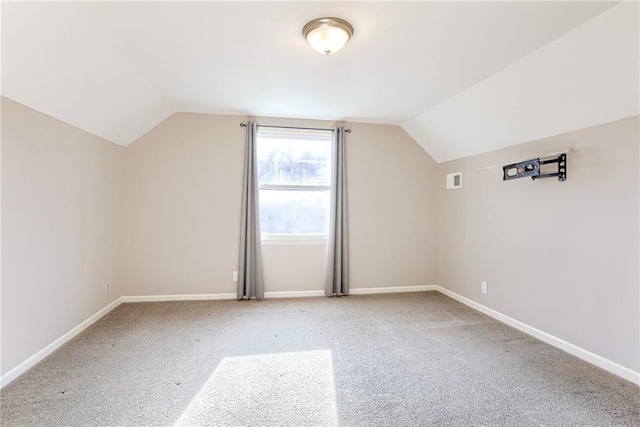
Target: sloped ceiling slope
(587,77)
(116,69)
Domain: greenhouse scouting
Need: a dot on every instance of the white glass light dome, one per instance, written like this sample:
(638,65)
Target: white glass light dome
(327,35)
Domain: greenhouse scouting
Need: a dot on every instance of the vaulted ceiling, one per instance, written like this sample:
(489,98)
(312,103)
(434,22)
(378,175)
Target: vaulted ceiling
(460,77)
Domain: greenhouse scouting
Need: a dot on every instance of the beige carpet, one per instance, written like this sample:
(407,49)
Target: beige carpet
(376,360)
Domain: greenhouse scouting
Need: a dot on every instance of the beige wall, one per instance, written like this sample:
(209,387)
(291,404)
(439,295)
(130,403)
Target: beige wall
(60,229)
(161,217)
(559,256)
(182,204)
(392,212)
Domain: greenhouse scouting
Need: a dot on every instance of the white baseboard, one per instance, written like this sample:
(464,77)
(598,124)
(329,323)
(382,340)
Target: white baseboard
(586,355)
(199,297)
(356,291)
(182,297)
(31,361)
(391,289)
(579,352)
(276,294)
(294,294)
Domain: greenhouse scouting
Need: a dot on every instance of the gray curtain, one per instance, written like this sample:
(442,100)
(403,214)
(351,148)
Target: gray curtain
(337,281)
(250,274)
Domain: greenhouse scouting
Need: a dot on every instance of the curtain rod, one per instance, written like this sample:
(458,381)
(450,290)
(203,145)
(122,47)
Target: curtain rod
(244,125)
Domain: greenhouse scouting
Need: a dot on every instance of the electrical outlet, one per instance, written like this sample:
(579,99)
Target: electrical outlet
(235,276)
(107,288)
(484,287)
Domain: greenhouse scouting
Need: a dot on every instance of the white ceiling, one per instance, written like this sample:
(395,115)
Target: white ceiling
(586,77)
(117,69)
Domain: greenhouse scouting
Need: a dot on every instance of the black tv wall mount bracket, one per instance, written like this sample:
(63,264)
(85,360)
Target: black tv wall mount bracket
(532,168)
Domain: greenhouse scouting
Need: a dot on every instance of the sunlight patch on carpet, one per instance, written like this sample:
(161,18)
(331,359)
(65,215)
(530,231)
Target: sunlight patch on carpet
(295,388)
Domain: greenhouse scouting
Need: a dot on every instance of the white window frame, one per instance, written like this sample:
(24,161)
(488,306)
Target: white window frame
(276,239)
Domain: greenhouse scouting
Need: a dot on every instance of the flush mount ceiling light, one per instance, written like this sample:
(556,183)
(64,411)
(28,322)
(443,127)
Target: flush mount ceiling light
(327,35)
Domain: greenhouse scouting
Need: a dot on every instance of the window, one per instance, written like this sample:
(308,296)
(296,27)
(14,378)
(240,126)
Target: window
(294,168)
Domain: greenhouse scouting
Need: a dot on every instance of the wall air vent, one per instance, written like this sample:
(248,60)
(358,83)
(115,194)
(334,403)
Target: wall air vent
(454,180)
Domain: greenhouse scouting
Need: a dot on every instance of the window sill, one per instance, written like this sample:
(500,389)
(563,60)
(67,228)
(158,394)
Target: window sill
(293,239)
